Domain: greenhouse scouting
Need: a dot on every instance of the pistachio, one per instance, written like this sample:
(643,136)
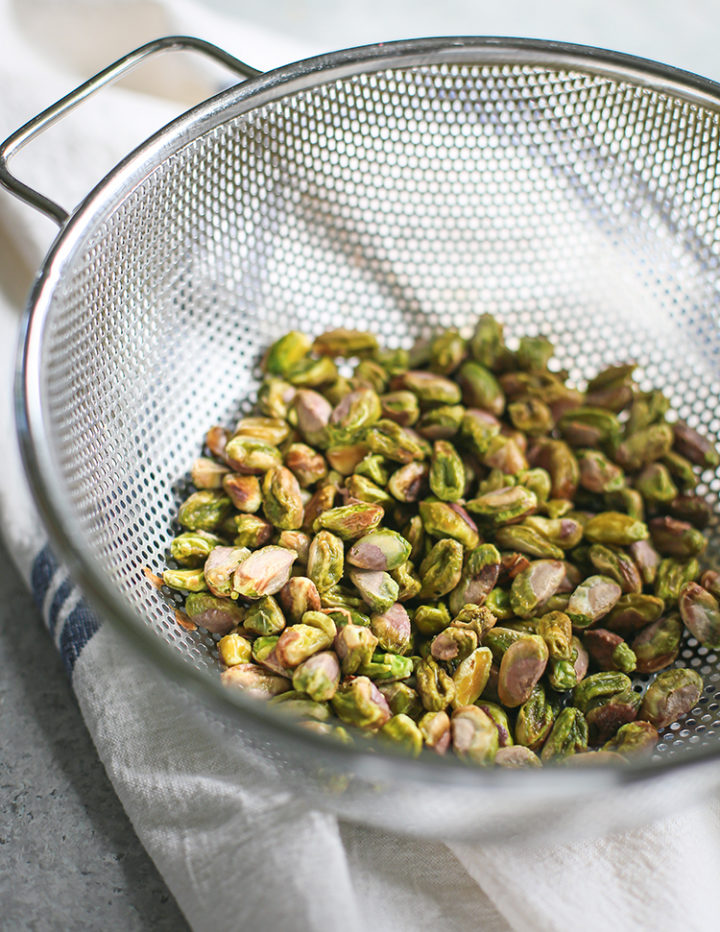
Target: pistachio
(207,474)
(249,530)
(321,500)
(633,738)
(409,482)
(297,541)
(615,529)
(403,731)
(531,416)
(694,447)
(243,492)
(617,565)
(354,646)
(589,427)
(204,510)
(522,665)
(297,596)
(690,508)
(447,473)
(609,651)
(673,694)
(307,465)
(368,373)
(700,614)
(220,567)
(350,521)
(569,734)
(435,729)
(658,644)
(392,628)
(627,500)
(408,581)
(441,569)
(534,585)
(474,735)
(215,440)
(672,575)
(673,538)
(251,456)
(431,388)
(381,549)
(326,560)
(486,344)
(286,352)
(454,643)
(535,718)
(342,342)
(471,675)
(271,430)
(191,580)
(499,717)
(516,757)
(647,560)
(254,681)
(478,429)
(357,411)
(681,469)
(213,613)
(599,686)
(233,649)
(431,619)
(401,407)
(633,612)
(480,388)
(612,388)
(592,600)
(346,457)
(479,575)
(264,617)
(507,505)
(526,540)
(359,702)
(558,460)
(264,572)
(597,473)
(444,520)
(402,699)
(555,628)
(710,580)
(561,675)
(377,588)
(504,453)
(313,414)
(644,447)
(655,484)
(441,423)
(395,442)
(434,685)
(564,531)
(192,548)
(275,397)
(387,667)
(447,351)
(312,373)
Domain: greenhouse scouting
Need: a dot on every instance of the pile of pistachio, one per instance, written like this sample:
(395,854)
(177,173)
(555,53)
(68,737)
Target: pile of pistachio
(453,549)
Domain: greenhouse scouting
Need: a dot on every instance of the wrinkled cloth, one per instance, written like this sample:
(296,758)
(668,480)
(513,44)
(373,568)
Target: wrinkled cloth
(237,853)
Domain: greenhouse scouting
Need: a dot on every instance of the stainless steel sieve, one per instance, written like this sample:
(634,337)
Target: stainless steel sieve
(399,188)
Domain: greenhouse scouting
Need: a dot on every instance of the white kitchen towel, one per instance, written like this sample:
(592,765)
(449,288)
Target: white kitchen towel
(237,852)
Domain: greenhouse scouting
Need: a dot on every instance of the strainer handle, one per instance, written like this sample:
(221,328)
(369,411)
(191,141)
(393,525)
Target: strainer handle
(52,114)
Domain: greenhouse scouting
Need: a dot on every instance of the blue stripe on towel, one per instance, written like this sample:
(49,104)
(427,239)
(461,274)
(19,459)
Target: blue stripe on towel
(73,630)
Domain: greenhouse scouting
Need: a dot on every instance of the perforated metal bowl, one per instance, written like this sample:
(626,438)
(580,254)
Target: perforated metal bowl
(398,188)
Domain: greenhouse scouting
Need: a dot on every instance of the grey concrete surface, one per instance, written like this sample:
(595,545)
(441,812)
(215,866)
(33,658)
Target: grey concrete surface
(69,858)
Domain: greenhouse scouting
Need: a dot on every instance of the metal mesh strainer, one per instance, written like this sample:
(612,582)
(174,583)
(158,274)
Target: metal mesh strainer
(397,188)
